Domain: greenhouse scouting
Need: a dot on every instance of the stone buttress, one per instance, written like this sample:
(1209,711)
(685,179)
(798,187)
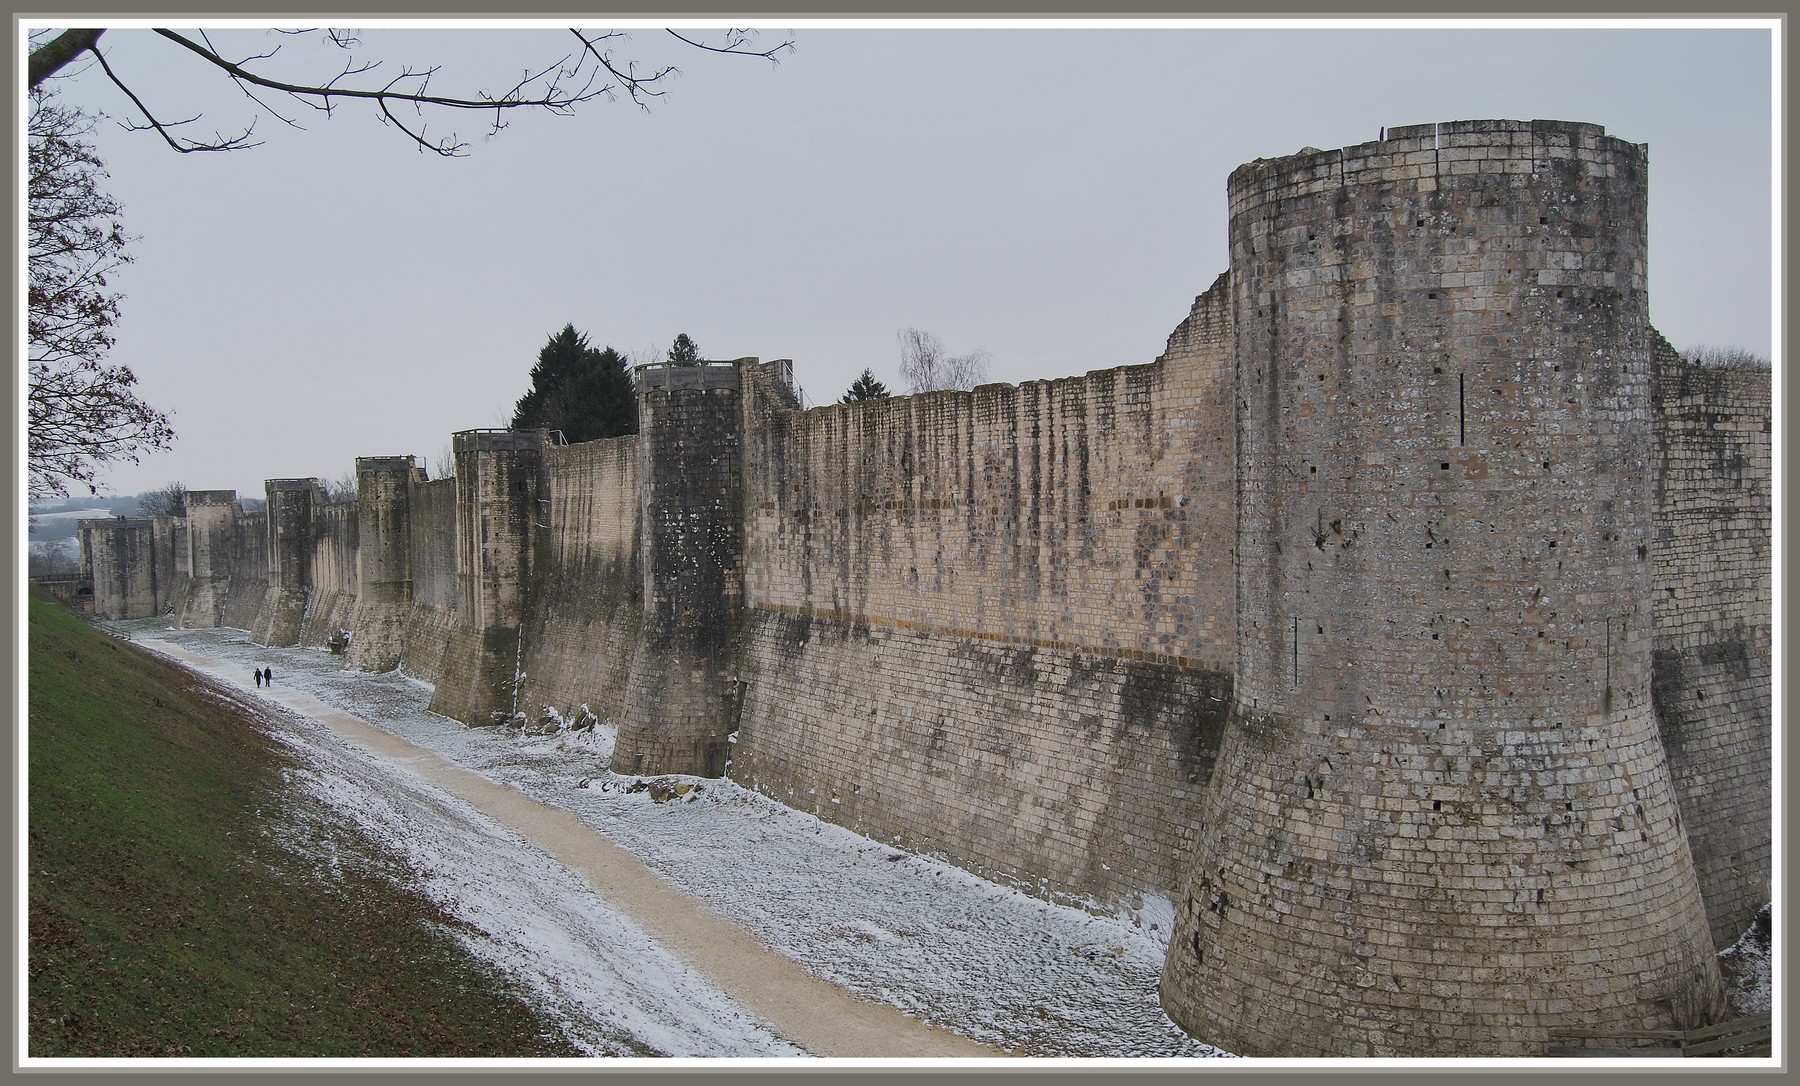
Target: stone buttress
(384,488)
(118,557)
(499,480)
(680,705)
(291,504)
(211,520)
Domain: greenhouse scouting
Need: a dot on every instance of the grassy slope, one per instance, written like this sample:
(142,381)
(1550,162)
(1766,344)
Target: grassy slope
(167,919)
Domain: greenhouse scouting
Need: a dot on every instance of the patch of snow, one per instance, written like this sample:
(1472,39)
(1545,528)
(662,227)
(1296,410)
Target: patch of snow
(983,960)
(1748,968)
(615,991)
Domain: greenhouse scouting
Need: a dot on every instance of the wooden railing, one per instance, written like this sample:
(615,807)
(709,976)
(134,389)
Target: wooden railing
(1752,1036)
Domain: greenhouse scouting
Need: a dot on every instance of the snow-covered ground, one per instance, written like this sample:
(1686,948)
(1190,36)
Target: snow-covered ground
(612,990)
(981,960)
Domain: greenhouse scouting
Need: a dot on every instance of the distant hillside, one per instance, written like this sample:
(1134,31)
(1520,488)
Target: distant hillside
(57,520)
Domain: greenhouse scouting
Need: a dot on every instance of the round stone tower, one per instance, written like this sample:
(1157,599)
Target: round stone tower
(1441,822)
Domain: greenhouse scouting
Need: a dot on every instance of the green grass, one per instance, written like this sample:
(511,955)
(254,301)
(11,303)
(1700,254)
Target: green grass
(166,918)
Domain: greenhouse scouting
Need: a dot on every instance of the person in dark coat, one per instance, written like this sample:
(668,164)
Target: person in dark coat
(258,675)
(268,677)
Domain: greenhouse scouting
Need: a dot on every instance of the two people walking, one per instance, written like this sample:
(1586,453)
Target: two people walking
(263,677)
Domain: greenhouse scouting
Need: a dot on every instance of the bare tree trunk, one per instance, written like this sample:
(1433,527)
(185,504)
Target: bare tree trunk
(55,54)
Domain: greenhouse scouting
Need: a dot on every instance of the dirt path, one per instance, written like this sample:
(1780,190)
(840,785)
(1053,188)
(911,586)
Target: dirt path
(819,1017)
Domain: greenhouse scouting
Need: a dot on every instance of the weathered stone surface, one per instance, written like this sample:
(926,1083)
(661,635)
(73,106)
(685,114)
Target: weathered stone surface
(1406,623)
(282,612)
(584,613)
(383,557)
(679,704)
(499,482)
(1442,821)
(1713,606)
(119,559)
(211,521)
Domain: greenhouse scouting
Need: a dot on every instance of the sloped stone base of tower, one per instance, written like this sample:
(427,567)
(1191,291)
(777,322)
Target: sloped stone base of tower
(330,612)
(1393,888)
(178,594)
(280,617)
(478,672)
(680,711)
(378,636)
(243,600)
(199,605)
(1713,706)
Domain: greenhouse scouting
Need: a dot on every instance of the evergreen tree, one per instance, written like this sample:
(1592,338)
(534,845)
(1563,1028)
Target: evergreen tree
(865,388)
(584,392)
(684,351)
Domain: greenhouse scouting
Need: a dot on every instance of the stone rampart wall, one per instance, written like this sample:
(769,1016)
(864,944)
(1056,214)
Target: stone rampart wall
(249,579)
(211,522)
(1089,514)
(680,699)
(120,558)
(173,574)
(997,624)
(434,544)
(290,504)
(499,480)
(582,614)
(434,591)
(385,487)
(335,585)
(1711,566)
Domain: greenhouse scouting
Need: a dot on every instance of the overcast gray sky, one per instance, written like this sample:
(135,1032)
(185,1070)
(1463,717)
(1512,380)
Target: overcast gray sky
(1055,196)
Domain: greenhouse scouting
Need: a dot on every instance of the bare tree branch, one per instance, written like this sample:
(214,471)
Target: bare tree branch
(558,88)
(552,98)
(736,42)
(218,143)
(639,87)
(926,367)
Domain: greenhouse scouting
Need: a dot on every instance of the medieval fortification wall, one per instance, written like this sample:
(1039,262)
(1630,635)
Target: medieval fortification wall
(581,628)
(1405,625)
(1442,735)
(998,625)
(1712,601)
